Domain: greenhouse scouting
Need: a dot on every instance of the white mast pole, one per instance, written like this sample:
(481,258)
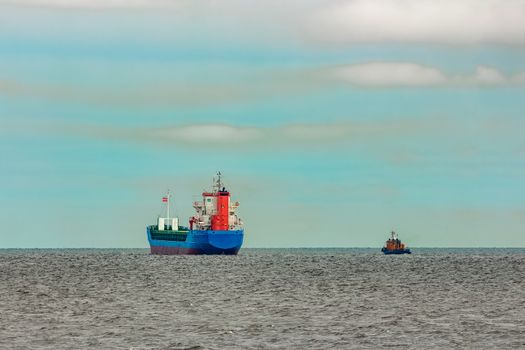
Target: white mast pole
(168,205)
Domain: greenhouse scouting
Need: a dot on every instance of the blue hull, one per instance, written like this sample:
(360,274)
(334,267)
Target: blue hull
(199,242)
(396,251)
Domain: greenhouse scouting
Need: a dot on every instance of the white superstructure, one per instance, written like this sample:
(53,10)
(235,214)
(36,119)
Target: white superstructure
(214,208)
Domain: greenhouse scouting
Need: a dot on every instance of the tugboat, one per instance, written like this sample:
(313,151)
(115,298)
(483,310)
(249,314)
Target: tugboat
(394,246)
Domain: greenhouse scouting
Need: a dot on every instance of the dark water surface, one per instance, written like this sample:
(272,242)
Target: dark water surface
(262,299)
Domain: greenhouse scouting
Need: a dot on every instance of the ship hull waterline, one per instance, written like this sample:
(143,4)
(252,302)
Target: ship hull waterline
(396,251)
(199,242)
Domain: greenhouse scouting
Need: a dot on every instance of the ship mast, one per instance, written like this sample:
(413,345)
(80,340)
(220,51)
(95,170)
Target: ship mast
(218,183)
(394,235)
(168,205)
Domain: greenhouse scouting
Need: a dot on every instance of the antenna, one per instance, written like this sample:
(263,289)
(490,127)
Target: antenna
(168,205)
(219,182)
(394,235)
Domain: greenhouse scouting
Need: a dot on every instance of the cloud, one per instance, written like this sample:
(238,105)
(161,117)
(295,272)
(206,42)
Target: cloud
(384,74)
(174,94)
(92,4)
(519,78)
(301,82)
(215,134)
(252,87)
(487,76)
(406,74)
(311,132)
(398,142)
(456,22)
(209,134)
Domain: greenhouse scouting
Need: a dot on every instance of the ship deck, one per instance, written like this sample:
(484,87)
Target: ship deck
(168,235)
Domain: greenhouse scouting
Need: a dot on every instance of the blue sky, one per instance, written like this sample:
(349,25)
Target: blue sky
(333,121)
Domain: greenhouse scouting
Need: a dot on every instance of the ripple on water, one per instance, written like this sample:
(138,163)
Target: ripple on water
(312,299)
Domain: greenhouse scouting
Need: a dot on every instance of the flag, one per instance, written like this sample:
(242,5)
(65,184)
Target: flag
(164,199)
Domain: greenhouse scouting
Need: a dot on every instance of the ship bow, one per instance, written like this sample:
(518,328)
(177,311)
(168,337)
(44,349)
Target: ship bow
(226,240)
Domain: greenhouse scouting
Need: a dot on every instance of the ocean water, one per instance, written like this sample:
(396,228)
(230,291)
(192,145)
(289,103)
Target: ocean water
(263,299)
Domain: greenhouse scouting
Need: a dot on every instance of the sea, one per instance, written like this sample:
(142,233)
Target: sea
(262,299)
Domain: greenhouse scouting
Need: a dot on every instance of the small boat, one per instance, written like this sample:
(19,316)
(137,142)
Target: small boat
(394,246)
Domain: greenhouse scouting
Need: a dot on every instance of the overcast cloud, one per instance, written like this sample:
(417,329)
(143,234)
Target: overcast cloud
(407,74)
(454,22)
(92,4)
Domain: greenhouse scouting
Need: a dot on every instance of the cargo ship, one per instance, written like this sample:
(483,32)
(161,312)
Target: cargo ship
(394,246)
(214,229)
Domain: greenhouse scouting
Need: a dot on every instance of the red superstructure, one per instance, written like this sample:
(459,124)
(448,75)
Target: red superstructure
(219,221)
(215,212)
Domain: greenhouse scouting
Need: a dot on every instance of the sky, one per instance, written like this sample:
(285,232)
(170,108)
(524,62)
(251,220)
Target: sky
(333,122)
